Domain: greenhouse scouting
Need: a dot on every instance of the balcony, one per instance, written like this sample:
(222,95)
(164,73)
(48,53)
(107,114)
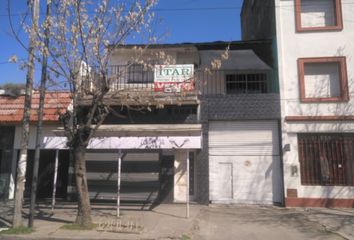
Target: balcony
(134,85)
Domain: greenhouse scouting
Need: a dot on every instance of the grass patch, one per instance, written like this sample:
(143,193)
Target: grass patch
(17,230)
(185,237)
(74,226)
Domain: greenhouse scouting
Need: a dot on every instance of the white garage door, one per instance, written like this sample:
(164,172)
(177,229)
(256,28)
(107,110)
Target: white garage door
(244,162)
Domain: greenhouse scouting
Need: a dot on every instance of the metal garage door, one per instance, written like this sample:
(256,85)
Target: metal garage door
(140,176)
(244,162)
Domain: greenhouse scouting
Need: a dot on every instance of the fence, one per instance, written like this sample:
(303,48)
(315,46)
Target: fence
(216,82)
(326,159)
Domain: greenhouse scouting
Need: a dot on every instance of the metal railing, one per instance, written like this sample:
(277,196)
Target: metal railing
(326,159)
(216,82)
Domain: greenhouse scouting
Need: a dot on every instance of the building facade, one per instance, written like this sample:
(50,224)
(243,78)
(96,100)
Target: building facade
(314,51)
(11,114)
(234,109)
(223,121)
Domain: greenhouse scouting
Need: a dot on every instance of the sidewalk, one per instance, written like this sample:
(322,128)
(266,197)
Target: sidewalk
(340,221)
(167,221)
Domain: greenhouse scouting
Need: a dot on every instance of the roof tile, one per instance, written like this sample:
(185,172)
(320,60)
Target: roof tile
(11,109)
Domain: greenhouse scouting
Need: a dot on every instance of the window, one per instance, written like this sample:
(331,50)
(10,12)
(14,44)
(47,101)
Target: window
(137,73)
(315,15)
(246,83)
(323,79)
(326,159)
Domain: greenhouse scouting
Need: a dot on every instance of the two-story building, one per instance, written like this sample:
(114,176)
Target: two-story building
(223,121)
(233,111)
(313,44)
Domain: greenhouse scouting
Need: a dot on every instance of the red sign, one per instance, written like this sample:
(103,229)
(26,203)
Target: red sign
(173,86)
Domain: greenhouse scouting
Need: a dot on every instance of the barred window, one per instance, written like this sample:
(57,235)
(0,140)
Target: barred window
(137,73)
(326,159)
(246,83)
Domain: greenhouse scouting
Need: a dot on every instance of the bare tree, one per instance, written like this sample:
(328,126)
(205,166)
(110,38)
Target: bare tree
(83,35)
(21,169)
(40,113)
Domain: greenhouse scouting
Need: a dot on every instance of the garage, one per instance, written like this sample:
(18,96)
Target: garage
(139,180)
(154,162)
(244,162)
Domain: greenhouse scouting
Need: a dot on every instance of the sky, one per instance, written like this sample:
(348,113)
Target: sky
(181,21)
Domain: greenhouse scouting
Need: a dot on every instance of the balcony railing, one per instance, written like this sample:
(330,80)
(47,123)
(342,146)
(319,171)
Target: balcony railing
(136,78)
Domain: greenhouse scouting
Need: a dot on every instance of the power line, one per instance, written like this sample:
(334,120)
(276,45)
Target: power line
(224,8)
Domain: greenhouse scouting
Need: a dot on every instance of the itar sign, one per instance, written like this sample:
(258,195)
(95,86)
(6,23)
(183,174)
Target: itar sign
(173,78)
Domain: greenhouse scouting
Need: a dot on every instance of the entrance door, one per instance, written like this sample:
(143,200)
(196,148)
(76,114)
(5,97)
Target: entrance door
(166,179)
(46,173)
(225,183)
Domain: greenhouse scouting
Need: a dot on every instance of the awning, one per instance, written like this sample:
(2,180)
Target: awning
(158,142)
(136,136)
(237,60)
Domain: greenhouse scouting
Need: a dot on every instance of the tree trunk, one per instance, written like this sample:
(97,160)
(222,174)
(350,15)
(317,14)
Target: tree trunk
(20,185)
(84,209)
(22,164)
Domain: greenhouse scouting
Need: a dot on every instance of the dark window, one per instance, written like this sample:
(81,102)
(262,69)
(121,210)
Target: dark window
(326,159)
(137,73)
(246,83)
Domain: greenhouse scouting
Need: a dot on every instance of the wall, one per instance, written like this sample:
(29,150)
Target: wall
(291,46)
(291,160)
(221,106)
(47,131)
(180,176)
(242,58)
(229,107)
(244,106)
(178,55)
(257,19)
(6,154)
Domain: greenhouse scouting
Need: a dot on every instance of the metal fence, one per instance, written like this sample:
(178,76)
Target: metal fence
(216,82)
(326,159)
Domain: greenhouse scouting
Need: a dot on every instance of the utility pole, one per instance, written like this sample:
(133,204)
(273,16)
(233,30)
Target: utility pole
(42,90)
(22,164)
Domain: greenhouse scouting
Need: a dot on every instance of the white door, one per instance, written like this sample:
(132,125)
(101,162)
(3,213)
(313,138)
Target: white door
(225,188)
(252,149)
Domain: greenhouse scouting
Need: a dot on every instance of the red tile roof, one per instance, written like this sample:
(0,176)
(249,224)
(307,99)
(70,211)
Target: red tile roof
(11,108)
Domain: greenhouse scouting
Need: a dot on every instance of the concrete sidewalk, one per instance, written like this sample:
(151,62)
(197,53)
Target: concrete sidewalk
(340,221)
(168,221)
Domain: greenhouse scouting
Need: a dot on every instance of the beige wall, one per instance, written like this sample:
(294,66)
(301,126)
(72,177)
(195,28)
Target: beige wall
(47,131)
(291,47)
(180,176)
